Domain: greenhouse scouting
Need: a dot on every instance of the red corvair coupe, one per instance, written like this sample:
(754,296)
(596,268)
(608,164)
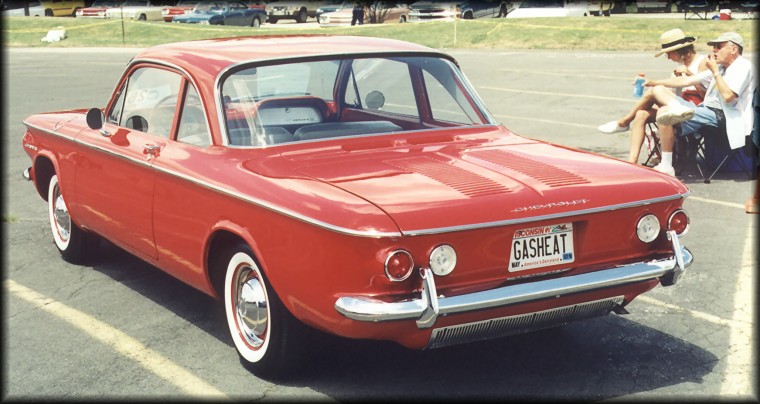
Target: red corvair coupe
(354,185)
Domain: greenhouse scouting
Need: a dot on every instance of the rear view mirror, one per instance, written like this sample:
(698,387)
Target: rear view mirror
(95,118)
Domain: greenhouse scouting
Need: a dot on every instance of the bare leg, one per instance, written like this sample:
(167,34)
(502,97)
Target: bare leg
(638,129)
(752,205)
(667,138)
(662,95)
(644,103)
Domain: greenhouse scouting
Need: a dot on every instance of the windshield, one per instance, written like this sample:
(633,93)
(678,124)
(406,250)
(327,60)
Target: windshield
(209,6)
(291,102)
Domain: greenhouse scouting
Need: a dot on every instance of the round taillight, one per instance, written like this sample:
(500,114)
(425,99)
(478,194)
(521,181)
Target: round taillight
(443,259)
(648,228)
(399,265)
(679,222)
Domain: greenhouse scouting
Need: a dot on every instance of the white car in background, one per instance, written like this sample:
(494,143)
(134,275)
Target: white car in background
(141,10)
(551,8)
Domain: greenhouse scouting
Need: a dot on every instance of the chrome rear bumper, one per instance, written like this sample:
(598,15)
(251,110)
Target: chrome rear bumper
(429,306)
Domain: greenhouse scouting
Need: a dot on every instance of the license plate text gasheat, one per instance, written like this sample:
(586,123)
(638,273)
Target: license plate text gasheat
(541,247)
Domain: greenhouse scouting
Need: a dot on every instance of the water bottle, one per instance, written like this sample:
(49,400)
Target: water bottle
(638,86)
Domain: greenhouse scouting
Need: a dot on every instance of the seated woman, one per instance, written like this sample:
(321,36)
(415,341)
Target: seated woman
(680,49)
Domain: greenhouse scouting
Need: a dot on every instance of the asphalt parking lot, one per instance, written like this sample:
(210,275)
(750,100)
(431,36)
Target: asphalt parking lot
(122,329)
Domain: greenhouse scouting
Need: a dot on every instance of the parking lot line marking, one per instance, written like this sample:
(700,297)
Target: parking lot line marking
(729,204)
(580,125)
(738,373)
(565,73)
(739,362)
(120,342)
(554,94)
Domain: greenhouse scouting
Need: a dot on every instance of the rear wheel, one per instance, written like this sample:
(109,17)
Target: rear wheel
(74,244)
(48,13)
(256,22)
(142,17)
(265,334)
(301,16)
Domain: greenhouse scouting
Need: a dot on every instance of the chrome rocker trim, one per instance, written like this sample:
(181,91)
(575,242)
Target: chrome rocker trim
(429,306)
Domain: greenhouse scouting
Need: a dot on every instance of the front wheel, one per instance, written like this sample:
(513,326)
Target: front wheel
(74,244)
(256,22)
(142,17)
(265,334)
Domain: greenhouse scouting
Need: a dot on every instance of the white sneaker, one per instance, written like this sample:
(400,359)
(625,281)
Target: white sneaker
(665,169)
(671,115)
(612,127)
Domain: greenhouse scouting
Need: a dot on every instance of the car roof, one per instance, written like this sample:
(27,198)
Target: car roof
(211,56)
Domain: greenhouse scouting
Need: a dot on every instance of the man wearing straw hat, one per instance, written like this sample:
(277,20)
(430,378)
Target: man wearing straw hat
(680,49)
(727,103)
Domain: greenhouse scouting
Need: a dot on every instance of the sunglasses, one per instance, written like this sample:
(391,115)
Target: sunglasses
(720,45)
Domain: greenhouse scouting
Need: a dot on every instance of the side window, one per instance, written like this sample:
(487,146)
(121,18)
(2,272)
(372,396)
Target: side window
(447,102)
(387,77)
(192,121)
(114,116)
(150,100)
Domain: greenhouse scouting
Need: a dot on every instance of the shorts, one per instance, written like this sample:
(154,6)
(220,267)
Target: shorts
(703,116)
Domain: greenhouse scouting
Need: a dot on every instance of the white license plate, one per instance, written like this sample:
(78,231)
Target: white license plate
(542,247)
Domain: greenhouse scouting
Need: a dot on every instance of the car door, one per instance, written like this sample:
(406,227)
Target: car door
(233,14)
(115,178)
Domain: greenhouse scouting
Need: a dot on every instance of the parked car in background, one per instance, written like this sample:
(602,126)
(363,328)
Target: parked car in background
(182,7)
(47,8)
(98,9)
(380,12)
(353,185)
(223,13)
(141,10)
(551,8)
(448,10)
(256,4)
(298,10)
(654,6)
(334,6)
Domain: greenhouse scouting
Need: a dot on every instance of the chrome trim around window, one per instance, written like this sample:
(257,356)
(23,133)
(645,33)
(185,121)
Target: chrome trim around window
(425,309)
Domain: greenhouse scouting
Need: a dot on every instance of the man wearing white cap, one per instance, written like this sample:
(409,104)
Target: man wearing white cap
(727,102)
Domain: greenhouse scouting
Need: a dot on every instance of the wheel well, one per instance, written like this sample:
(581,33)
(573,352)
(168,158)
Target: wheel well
(43,172)
(221,241)
(467,15)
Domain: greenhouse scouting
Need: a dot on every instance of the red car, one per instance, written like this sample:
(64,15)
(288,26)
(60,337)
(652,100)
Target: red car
(182,7)
(97,9)
(356,186)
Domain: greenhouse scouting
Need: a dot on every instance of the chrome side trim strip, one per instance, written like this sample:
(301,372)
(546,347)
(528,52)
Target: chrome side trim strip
(365,233)
(425,232)
(362,308)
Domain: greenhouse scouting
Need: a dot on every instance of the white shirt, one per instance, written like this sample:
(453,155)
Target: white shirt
(739,113)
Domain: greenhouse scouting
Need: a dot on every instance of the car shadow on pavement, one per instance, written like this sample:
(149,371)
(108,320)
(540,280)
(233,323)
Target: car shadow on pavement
(589,360)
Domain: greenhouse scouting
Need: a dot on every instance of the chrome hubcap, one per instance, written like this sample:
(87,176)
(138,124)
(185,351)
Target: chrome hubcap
(61,214)
(251,308)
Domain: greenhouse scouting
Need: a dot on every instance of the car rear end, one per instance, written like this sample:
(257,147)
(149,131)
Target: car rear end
(434,11)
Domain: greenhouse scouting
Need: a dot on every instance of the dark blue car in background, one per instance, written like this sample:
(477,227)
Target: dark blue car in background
(224,13)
